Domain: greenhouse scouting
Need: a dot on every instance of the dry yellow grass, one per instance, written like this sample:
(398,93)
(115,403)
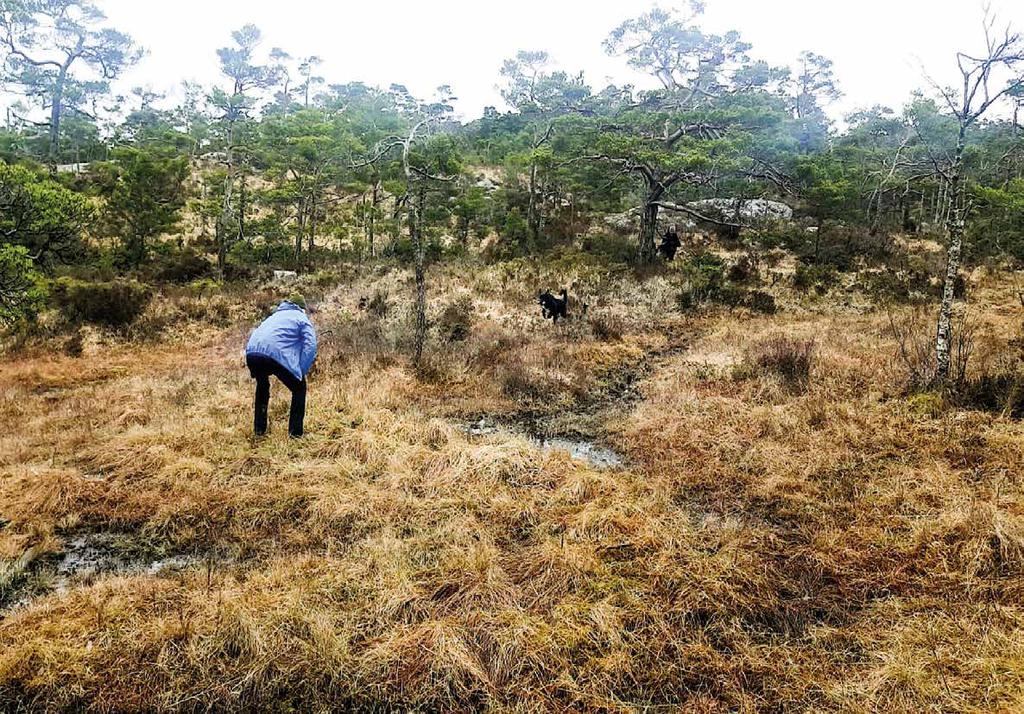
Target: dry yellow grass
(765,549)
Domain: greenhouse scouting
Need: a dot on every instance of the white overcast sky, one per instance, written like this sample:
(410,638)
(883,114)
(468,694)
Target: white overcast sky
(878,46)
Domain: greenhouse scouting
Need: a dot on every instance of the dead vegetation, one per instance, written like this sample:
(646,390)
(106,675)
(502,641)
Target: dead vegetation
(792,531)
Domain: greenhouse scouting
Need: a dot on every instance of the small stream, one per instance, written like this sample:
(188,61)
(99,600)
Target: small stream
(589,452)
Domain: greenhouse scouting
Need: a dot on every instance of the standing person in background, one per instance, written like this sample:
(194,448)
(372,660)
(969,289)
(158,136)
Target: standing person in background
(284,345)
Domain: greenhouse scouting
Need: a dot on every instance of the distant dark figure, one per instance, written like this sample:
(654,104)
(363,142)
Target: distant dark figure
(283,346)
(669,244)
(553,307)
(364,302)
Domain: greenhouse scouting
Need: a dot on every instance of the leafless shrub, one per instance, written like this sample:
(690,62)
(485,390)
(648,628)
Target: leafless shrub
(456,321)
(379,305)
(607,328)
(787,358)
(915,349)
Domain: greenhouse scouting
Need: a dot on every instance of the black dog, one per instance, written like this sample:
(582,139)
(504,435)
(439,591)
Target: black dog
(669,244)
(552,307)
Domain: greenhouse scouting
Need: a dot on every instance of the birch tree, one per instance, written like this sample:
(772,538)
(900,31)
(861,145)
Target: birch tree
(986,78)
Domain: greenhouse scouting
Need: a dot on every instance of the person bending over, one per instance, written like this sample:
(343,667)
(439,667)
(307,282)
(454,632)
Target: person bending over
(284,345)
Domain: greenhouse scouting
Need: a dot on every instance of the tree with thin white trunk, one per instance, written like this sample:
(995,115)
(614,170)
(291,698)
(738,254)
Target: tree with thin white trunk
(995,74)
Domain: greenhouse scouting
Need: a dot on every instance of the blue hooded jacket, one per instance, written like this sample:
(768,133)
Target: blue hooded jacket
(287,337)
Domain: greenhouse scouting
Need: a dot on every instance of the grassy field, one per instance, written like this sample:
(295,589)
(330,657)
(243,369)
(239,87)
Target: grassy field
(774,540)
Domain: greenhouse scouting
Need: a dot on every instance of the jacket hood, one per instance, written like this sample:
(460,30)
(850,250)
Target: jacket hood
(288,305)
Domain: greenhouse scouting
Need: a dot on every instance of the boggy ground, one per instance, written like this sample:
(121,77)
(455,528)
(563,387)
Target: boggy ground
(768,546)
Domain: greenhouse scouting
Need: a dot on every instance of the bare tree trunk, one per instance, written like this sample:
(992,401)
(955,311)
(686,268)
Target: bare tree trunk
(572,216)
(532,208)
(421,285)
(649,223)
(56,108)
(532,221)
(374,199)
(300,229)
(396,225)
(648,229)
(311,243)
(204,222)
(876,222)
(955,224)
(241,205)
(224,220)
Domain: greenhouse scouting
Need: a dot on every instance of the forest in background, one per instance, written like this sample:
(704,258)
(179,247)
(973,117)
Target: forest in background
(279,167)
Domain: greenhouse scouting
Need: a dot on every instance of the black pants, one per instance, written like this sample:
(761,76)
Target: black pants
(261,368)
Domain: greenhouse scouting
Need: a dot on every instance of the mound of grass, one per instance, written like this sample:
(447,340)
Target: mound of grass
(786,358)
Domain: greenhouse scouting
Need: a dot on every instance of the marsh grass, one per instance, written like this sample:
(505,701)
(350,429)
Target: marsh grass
(820,549)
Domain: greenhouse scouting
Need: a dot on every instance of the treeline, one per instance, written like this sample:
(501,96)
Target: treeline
(279,166)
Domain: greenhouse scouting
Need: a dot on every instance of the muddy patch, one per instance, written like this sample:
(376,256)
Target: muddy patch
(600,457)
(85,558)
(95,554)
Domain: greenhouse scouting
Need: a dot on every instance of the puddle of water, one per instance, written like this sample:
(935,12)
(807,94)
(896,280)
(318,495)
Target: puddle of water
(97,554)
(87,556)
(481,428)
(599,457)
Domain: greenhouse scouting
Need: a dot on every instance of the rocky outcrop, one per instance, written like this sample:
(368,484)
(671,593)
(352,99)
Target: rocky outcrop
(626,222)
(486,184)
(745,209)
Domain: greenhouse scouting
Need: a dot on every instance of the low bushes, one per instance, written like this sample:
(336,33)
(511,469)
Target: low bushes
(607,327)
(613,248)
(709,281)
(378,305)
(743,269)
(456,321)
(788,359)
(116,303)
(182,266)
(759,301)
(21,292)
(1001,391)
(886,286)
(820,278)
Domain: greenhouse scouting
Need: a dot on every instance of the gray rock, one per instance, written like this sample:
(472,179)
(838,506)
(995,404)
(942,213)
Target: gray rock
(72,168)
(623,222)
(750,209)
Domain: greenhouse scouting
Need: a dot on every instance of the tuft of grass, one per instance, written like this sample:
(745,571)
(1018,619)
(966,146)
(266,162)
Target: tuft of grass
(788,359)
